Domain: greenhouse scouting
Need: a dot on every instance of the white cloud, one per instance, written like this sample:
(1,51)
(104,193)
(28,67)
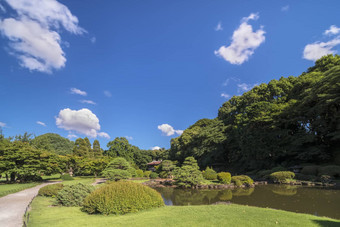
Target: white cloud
(2,124)
(316,50)
(168,130)
(107,94)
(41,123)
(285,8)
(245,87)
(333,30)
(78,91)
(224,95)
(82,121)
(244,42)
(227,81)
(71,136)
(129,137)
(88,102)
(219,27)
(33,33)
(155,148)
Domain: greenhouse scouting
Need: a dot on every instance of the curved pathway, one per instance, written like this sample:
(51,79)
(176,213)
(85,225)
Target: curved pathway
(13,206)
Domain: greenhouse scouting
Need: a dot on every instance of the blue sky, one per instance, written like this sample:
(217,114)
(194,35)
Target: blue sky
(147,69)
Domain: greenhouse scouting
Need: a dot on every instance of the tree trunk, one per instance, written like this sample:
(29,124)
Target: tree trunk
(6,177)
(12,176)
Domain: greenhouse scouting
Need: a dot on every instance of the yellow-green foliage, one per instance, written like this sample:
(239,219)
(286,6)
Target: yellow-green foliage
(121,198)
(147,174)
(139,173)
(73,195)
(242,180)
(66,176)
(209,174)
(50,190)
(282,176)
(224,177)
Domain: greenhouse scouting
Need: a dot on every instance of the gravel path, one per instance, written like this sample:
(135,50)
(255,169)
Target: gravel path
(13,206)
(99,181)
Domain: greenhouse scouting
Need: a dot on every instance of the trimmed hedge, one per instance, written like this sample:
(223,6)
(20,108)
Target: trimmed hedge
(50,190)
(282,176)
(147,174)
(224,177)
(139,173)
(331,170)
(209,174)
(116,174)
(310,170)
(66,176)
(153,175)
(74,195)
(242,180)
(121,198)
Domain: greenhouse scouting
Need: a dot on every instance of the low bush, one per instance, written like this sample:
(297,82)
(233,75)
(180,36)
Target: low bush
(303,177)
(121,198)
(74,195)
(139,173)
(50,190)
(147,174)
(242,180)
(265,174)
(163,174)
(325,179)
(209,174)
(224,177)
(331,170)
(66,176)
(282,176)
(132,172)
(153,175)
(310,170)
(116,174)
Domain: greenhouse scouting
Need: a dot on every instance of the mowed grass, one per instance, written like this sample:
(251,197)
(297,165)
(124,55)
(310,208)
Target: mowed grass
(6,189)
(43,214)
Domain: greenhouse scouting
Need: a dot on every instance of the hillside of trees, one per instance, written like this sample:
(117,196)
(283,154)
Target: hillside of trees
(290,121)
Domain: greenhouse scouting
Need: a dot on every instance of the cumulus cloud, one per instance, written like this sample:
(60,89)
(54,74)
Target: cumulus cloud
(219,27)
(168,130)
(33,33)
(129,137)
(224,95)
(155,148)
(316,50)
(245,87)
(243,42)
(285,8)
(41,123)
(71,136)
(82,121)
(107,94)
(2,124)
(78,91)
(333,30)
(88,102)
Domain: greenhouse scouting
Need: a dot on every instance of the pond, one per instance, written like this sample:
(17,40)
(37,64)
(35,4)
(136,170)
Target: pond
(312,200)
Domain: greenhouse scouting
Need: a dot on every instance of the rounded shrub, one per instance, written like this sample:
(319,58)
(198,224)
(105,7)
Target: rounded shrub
(147,174)
(224,177)
(50,190)
(310,170)
(74,195)
(116,174)
(132,172)
(121,198)
(163,174)
(139,173)
(66,176)
(282,176)
(242,180)
(331,170)
(153,175)
(209,174)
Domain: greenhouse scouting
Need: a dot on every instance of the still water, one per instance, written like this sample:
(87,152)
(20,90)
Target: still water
(311,200)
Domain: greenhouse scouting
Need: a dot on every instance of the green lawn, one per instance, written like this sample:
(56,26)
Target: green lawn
(43,214)
(6,189)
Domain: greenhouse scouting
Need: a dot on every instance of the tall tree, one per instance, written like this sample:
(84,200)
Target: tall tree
(97,151)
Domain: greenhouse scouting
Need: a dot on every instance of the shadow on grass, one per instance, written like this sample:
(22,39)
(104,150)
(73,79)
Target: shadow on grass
(327,223)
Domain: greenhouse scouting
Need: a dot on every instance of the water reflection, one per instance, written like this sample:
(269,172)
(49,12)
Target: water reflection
(319,201)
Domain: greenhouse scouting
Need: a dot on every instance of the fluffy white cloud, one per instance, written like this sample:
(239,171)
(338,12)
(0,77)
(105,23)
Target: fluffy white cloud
(219,27)
(168,130)
(285,8)
(2,124)
(245,87)
(107,94)
(33,35)
(333,30)
(78,91)
(41,123)
(88,102)
(71,136)
(155,148)
(244,42)
(82,121)
(129,137)
(316,50)
(224,95)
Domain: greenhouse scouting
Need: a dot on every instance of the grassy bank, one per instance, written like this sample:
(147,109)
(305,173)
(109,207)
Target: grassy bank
(43,214)
(6,189)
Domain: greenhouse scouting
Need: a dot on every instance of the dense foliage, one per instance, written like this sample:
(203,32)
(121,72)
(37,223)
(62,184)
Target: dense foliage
(242,180)
(224,177)
(286,122)
(209,174)
(74,195)
(118,169)
(282,176)
(189,174)
(121,198)
(50,190)
(66,177)
(54,143)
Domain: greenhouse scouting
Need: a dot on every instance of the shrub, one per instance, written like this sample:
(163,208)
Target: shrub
(310,170)
(242,180)
(50,190)
(147,174)
(121,198)
(331,170)
(209,174)
(304,177)
(139,173)
(153,175)
(74,195)
(66,176)
(163,174)
(224,177)
(116,174)
(325,179)
(282,176)
(132,172)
